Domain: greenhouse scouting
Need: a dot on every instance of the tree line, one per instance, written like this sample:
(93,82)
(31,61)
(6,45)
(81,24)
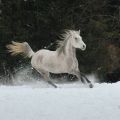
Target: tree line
(40,23)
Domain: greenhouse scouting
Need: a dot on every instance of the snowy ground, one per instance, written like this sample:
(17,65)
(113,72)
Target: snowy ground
(68,102)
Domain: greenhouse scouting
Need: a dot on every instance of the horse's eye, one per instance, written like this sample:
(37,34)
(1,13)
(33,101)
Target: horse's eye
(75,38)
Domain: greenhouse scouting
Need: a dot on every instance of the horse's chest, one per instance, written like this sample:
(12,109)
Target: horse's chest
(72,64)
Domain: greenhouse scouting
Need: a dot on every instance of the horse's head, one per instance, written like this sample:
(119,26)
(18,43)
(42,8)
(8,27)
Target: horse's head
(76,40)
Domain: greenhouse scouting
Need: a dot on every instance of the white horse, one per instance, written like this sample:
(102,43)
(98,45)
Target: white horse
(63,60)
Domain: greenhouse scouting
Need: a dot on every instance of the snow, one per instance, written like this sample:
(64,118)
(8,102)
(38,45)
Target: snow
(68,102)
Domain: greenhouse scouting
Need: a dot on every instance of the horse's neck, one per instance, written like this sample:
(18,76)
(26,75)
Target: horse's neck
(70,50)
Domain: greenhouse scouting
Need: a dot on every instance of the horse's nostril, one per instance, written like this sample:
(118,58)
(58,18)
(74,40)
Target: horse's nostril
(84,47)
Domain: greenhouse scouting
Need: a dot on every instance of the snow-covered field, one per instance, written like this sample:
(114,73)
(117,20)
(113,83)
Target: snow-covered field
(68,102)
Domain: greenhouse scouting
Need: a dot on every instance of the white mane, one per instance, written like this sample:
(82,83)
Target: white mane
(64,38)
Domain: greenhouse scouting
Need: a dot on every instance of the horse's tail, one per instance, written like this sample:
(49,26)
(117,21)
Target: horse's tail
(16,48)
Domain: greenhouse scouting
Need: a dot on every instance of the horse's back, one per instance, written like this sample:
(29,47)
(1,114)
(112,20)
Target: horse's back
(39,55)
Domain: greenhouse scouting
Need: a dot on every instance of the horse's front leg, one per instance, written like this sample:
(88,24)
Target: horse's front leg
(90,84)
(77,73)
(80,75)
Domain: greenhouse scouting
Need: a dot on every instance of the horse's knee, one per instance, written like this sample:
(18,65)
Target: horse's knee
(82,80)
(82,74)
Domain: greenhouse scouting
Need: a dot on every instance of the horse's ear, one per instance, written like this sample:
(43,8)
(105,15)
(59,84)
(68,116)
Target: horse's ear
(79,32)
(71,33)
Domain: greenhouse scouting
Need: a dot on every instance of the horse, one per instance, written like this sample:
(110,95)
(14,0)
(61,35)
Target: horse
(62,60)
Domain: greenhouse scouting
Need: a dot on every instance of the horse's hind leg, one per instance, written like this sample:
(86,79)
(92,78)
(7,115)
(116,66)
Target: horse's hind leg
(50,82)
(46,77)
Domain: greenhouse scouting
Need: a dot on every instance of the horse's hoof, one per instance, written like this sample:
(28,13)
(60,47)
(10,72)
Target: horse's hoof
(91,86)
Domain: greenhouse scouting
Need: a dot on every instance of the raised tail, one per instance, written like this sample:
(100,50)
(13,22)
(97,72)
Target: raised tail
(16,48)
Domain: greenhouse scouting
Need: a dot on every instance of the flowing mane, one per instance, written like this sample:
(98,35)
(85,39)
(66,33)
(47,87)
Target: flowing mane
(61,44)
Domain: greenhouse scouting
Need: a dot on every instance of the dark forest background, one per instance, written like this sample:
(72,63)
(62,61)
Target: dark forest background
(40,23)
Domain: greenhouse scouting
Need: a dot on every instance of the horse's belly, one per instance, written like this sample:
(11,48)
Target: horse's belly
(55,67)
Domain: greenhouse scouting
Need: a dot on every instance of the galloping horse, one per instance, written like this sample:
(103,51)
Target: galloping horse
(63,60)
